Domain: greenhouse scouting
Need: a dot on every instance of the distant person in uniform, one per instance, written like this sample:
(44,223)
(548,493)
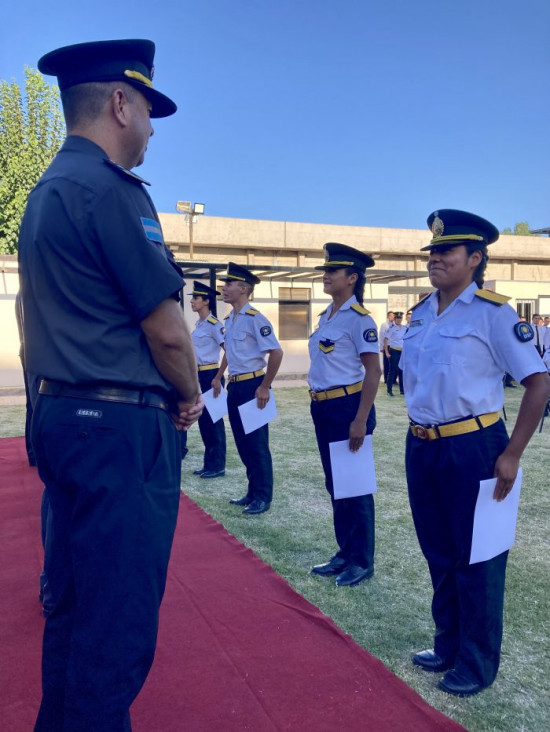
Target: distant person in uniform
(461,341)
(208,337)
(104,329)
(382,334)
(393,346)
(343,379)
(250,346)
(540,333)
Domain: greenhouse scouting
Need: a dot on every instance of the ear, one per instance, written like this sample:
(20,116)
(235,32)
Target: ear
(119,103)
(355,277)
(476,257)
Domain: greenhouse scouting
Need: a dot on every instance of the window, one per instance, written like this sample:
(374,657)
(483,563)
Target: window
(525,309)
(294,313)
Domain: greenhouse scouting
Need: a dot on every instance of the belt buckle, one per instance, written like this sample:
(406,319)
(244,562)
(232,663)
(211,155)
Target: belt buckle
(313,395)
(421,432)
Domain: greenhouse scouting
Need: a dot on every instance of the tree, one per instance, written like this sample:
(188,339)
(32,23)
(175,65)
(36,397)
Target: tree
(520,229)
(31,132)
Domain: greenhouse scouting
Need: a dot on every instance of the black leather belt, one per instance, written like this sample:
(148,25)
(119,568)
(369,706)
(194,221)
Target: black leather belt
(104,393)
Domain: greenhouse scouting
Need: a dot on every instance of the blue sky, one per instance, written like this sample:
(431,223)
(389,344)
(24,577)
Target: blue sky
(331,111)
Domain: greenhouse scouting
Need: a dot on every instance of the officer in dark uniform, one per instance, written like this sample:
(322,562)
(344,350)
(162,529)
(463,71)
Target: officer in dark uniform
(208,337)
(249,344)
(343,378)
(459,343)
(103,327)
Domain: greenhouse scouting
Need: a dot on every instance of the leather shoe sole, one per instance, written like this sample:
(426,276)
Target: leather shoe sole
(336,565)
(257,507)
(353,575)
(200,471)
(430,661)
(213,474)
(455,683)
(244,501)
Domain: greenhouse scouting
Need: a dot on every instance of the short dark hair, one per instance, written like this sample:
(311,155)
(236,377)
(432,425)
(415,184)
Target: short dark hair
(85,102)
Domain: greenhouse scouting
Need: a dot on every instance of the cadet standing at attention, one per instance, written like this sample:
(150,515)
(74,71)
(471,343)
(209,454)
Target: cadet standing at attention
(103,327)
(393,345)
(460,342)
(343,379)
(208,337)
(249,342)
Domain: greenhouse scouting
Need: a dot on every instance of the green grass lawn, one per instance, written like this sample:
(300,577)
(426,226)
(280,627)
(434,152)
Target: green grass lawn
(390,614)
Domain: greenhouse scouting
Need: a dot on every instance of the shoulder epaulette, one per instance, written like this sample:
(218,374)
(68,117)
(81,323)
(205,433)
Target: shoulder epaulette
(493,297)
(360,309)
(212,319)
(127,173)
(251,311)
(420,302)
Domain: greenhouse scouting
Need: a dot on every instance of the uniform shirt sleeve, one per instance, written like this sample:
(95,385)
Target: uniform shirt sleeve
(133,250)
(263,330)
(364,334)
(517,357)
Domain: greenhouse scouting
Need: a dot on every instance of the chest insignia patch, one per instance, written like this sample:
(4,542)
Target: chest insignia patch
(152,229)
(265,330)
(524,332)
(370,335)
(326,346)
(416,323)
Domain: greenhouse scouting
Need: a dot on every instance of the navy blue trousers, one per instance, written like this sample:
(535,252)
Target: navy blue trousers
(253,448)
(353,517)
(112,474)
(443,478)
(394,372)
(212,433)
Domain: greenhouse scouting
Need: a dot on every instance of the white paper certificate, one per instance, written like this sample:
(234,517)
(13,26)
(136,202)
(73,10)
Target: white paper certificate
(353,473)
(494,521)
(253,417)
(216,406)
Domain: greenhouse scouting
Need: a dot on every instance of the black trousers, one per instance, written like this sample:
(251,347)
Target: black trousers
(443,479)
(386,366)
(212,433)
(112,473)
(353,517)
(395,374)
(253,448)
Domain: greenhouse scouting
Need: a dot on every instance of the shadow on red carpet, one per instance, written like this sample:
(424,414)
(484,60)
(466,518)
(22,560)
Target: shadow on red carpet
(238,648)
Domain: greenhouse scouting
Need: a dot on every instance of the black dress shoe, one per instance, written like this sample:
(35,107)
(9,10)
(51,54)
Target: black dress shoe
(455,683)
(244,501)
(213,474)
(430,661)
(257,507)
(200,471)
(353,575)
(336,565)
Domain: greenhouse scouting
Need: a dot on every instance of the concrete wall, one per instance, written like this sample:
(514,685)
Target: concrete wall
(10,366)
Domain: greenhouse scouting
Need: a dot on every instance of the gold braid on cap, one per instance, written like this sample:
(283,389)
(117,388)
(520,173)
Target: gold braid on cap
(139,77)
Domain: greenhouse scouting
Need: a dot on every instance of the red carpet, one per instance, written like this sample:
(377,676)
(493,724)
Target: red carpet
(238,648)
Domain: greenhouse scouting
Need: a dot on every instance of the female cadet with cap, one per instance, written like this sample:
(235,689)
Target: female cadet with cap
(208,337)
(343,379)
(460,341)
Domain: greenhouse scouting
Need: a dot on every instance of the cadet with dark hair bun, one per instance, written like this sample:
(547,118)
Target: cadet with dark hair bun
(343,379)
(459,343)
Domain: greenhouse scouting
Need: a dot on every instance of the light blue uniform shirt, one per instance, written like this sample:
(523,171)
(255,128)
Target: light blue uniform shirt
(208,337)
(248,337)
(335,347)
(453,363)
(395,335)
